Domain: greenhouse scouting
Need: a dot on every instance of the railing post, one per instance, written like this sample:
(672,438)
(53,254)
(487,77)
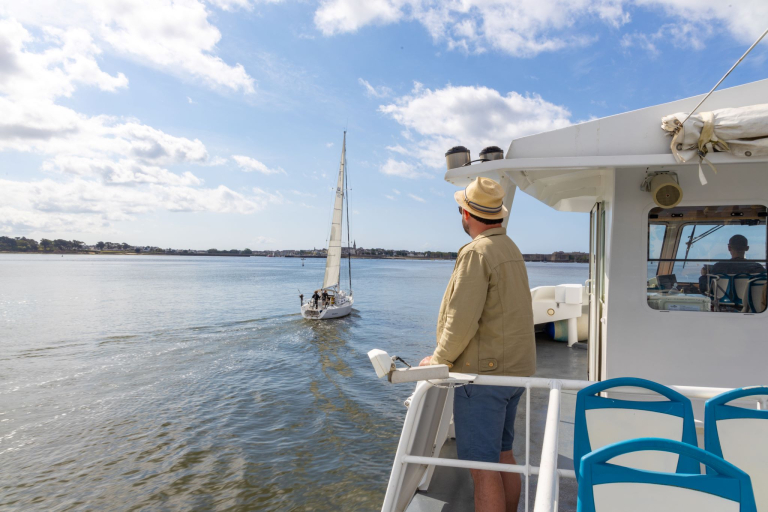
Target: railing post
(527,442)
(546,489)
(403,447)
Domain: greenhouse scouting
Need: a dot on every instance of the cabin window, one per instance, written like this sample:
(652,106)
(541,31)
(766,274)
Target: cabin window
(707,258)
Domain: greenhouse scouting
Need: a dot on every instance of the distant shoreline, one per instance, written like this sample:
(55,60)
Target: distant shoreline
(229,255)
(125,253)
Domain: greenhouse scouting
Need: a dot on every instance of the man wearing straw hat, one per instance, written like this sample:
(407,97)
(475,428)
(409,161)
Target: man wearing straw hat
(485,327)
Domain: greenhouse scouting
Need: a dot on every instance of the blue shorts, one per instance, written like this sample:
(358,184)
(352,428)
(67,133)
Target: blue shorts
(484,417)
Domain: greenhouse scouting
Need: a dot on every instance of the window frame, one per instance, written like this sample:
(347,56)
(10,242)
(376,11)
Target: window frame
(678,236)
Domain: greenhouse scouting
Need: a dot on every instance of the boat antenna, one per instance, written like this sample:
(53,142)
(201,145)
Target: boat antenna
(346,196)
(725,75)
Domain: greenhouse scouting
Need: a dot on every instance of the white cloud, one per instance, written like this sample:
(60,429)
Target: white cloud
(339,16)
(475,117)
(48,206)
(302,194)
(102,169)
(417,198)
(233,5)
(263,240)
(374,92)
(679,35)
(249,164)
(525,28)
(329,144)
(436,192)
(44,127)
(173,37)
(391,198)
(270,197)
(396,191)
(217,160)
(401,169)
(191,101)
(521,28)
(69,60)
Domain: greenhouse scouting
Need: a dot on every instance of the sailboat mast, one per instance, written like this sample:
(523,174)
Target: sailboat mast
(346,196)
(333,260)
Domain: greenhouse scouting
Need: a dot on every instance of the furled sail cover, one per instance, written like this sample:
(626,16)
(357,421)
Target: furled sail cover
(333,260)
(740,131)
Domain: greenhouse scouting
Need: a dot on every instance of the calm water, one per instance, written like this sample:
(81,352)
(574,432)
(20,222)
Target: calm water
(169,383)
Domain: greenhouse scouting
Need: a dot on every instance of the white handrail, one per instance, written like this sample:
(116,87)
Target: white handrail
(546,489)
(548,472)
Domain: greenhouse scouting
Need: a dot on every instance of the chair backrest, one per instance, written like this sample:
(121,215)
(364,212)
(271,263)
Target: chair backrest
(603,421)
(607,487)
(740,436)
(756,295)
(720,287)
(740,287)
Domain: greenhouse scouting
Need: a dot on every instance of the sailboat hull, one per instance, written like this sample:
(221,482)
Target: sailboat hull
(326,313)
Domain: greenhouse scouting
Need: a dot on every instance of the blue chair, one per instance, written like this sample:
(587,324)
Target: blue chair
(721,288)
(606,487)
(603,421)
(740,436)
(756,294)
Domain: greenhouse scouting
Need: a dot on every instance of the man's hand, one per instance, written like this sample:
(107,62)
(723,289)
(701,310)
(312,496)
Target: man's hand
(427,361)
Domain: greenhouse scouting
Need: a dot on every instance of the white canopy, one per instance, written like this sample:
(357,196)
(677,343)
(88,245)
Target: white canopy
(742,132)
(568,168)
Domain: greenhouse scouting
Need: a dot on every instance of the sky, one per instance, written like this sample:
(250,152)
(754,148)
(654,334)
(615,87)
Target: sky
(219,123)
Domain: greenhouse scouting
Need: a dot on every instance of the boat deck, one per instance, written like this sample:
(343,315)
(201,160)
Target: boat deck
(451,489)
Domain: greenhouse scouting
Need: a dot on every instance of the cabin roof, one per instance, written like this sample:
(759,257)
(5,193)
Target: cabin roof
(566,168)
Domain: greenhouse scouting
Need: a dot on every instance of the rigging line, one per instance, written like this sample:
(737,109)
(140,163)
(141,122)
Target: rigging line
(707,233)
(346,193)
(692,240)
(689,244)
(725,75)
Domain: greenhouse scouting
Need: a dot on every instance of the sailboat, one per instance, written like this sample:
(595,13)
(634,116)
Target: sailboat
(331,301)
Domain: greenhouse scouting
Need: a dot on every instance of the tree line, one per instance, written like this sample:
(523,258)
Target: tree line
(23,244)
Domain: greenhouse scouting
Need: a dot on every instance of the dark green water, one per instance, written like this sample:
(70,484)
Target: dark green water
(173,383)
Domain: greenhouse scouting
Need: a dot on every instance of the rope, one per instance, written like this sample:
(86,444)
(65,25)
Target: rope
(726,75)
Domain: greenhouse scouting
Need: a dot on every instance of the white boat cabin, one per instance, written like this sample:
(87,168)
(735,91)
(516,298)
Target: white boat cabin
(670,321)
(681,267)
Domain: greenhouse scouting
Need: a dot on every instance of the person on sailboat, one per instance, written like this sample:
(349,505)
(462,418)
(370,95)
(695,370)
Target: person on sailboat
(485,325)
(325,298)
(315,298)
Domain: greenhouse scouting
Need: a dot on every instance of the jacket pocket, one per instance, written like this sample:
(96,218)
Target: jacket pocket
(488,365)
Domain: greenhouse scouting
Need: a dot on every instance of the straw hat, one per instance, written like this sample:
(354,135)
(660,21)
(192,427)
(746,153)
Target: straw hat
(483,198)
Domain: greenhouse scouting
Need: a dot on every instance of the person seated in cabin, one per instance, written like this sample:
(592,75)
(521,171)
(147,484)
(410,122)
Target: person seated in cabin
(738,246)
(315,298)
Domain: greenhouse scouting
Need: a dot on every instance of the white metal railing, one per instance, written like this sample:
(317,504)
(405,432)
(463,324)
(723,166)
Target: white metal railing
(548,473)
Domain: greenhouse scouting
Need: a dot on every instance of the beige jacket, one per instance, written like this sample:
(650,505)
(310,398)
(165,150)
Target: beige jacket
(485,323)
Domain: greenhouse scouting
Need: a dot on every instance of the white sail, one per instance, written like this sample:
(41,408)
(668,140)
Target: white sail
(333,261)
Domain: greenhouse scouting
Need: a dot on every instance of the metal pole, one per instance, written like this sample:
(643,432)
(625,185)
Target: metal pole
(725,75)
(473,464)
(527,443)
(346,196)
(546,489)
